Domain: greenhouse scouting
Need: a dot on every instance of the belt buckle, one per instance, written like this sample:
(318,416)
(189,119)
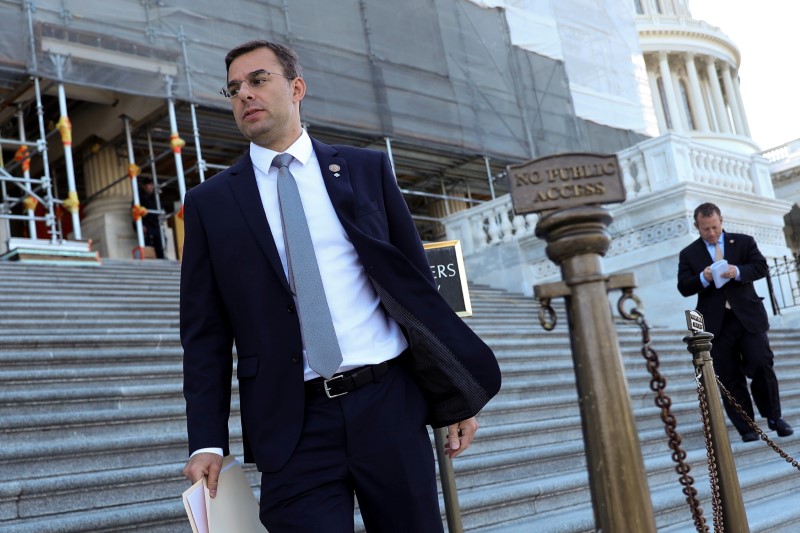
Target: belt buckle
(328,390)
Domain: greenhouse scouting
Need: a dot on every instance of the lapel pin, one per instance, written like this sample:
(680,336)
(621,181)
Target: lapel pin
(334,168)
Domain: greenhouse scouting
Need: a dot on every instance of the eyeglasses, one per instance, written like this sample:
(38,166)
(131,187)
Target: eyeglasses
(255,80)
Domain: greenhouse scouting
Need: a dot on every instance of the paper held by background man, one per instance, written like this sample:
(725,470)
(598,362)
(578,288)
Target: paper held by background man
(718,268)
(234,510)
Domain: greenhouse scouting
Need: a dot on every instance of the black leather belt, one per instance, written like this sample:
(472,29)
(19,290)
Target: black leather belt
(341,384)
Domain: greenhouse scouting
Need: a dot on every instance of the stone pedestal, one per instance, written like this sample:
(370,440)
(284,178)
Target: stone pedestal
(107,222)
(5,234)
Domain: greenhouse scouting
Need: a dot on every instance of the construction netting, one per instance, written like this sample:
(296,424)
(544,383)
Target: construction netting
(598,42)
(424,70)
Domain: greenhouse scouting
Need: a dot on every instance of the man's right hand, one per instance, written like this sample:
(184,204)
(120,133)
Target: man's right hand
(204,465)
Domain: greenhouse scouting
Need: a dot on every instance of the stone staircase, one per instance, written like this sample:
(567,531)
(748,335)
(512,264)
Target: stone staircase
(92,434)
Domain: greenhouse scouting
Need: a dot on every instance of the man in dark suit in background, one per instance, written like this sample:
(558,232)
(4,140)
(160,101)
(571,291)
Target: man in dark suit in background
(406,358)
(151,225)
(736,316)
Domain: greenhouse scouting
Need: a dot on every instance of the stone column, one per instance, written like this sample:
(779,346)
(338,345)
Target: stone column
(107,216)
(716,96)
(669,92)
(742,111)
(733,101)
(697,103)
(659,108)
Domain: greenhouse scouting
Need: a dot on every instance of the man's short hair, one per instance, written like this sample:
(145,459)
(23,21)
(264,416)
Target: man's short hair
(286,56)
(146,180)
(707,210)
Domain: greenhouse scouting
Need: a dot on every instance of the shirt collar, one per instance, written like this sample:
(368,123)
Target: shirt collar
(301,150)
(720,240)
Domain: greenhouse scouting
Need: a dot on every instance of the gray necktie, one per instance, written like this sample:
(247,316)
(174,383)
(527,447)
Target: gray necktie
(316,324)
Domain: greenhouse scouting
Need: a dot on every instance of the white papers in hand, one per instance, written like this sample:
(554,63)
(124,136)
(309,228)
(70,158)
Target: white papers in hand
(717,269)
(194,499)
(234,510)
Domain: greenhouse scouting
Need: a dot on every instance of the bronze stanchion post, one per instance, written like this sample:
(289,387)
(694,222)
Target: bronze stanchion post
(576,239)
(448,480)
(730,494)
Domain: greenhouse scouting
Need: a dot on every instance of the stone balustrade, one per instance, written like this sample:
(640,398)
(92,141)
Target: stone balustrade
(488,224)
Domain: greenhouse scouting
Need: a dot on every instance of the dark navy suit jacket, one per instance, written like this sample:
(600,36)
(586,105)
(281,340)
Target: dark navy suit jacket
(233,289)
(740,250)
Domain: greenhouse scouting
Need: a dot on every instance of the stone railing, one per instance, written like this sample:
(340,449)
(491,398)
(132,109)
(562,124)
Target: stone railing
(665,161)
(488,224)
(649,167)
(784,156)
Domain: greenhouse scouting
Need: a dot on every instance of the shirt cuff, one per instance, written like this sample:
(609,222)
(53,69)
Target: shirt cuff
(704,281)
(217,451)
(738,274)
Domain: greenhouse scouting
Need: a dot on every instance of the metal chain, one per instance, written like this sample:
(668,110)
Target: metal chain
(786,457)
(547,315)
(658,384)
(713,478)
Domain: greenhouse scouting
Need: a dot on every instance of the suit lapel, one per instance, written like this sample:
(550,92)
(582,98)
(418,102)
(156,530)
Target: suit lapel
(245,190)
(701,250)
(731,250)
(336,175)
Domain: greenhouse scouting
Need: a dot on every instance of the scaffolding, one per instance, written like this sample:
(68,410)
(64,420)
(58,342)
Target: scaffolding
(437,84)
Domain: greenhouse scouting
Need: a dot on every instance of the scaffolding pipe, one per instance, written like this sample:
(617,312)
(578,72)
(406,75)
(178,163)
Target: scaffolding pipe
(47,183)
(23,217)
(444,199)
(156,187)
(30,8)
(153,170)
(391,157)
(25,163)
(201,164)
(489,176)
(133,172)
(4,208)
(64,126)
(174,139)
(440,196)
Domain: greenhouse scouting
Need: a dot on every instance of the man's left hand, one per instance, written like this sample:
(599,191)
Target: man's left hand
(731,272)
(459,436)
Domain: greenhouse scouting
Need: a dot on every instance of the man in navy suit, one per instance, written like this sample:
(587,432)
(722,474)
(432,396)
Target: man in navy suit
(407,359)
(736,316)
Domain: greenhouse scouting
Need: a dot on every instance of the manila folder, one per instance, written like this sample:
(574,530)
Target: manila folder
(233,510)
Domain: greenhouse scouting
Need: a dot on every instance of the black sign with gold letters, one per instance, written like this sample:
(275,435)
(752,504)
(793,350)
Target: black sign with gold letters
(447,267)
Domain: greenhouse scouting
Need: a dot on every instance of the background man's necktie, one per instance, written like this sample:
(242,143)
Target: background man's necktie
(316,324)
(718,257)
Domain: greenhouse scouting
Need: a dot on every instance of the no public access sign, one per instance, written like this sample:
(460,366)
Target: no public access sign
(565,180)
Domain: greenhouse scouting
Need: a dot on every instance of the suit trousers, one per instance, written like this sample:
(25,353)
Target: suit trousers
(738,355)
(371,443)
